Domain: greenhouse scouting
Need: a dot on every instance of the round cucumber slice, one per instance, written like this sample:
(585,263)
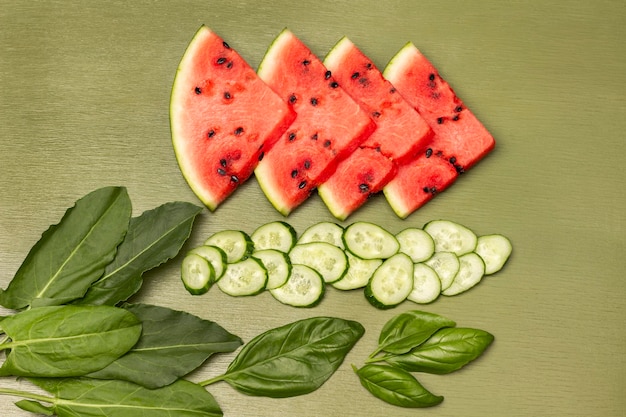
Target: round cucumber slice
(446,265)
(246,277)
(277,264)
(450,236)
(426,284)
(370,241)
(276,235)
(215,256)
(471,271)
(328,232)
(416,243)
(197,274)
(495,251)
(304,288)
(236,244)
(392,282)
(359,272)
(328,260)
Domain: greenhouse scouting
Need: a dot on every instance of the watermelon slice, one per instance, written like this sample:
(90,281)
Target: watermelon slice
(399,134)
(329,124)
(459,141)
(223,117)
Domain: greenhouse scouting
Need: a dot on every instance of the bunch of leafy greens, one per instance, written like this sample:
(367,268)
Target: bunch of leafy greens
(76,336)
(417,341)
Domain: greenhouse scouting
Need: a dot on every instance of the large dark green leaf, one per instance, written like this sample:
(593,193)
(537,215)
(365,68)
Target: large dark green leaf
(72,254)
(173,343)
(409,329)
(294,359)
(153,238)
(446,351)
(396,386)
(86,397)
(59,341)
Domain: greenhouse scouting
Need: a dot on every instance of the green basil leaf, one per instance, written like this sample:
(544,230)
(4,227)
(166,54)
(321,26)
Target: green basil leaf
(60,341)
(173,343)
(153,238)
(446,351)
(294,359)
(72,254)
(35,407)
(410,329)
(396,386)
(86,397)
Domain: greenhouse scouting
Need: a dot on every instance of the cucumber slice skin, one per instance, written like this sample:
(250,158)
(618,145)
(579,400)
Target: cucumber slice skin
(197,274)
(215,256)
(370,241)
(244,278)
(426,284)
(278,235)
(471,272)
(391,283)
(236,244)
(450,236)
(328,260)
(446,265)
(277,265)
(495,251)
(328,232)
(359,273)
(305,288)
(416,243)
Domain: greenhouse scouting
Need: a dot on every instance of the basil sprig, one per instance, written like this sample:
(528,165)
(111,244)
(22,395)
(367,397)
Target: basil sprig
(417,341)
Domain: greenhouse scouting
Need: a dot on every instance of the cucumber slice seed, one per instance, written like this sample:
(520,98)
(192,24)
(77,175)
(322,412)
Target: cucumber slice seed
(391,283)
(451,237)
(416,243)
(236,244)
(446,265)
(276,235)
(370,241)
(330,261)
(328,232)
(359,272)
(277,265)
(215,256)
(471,271)
(494,250)
(426,284)
(304,288)
(246,277)
(197,274)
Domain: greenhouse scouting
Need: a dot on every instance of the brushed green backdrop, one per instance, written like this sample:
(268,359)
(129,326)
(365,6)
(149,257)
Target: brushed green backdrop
(84,90)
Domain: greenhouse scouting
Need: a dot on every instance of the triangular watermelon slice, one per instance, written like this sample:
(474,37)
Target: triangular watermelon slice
(459,142)
(329,124)
(400,133)
(223,117)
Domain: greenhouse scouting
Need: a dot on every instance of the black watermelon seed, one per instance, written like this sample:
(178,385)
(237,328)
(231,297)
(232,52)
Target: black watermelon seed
(456,117)
(226,45)
(292,98)
(221,171)
(326,143)
(211,133)
(223,162)
(238,131)
(261,155)
(392,90)
(234,178)
(314,136)
(229,65)
(431,77)
(307,164)
(227,95)
(302,185)
(433,190)
(306,62)
(334,84)
(327,75)
(425,189)
(198,90)
(376,114)
(355,75)
(364,188)
(294,173)
(314,101)
(429,152)
(458,109)
(292,136)
(439,120)
(453,160)
(221,60)
(368,65)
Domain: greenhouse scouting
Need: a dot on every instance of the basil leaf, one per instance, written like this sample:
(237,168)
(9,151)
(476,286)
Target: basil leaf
(153,238)
(396,386)
(72,254)
(446,351)
(59,341)
(35,407)
(294,359)
(87,397)
(172,344)
(408,330)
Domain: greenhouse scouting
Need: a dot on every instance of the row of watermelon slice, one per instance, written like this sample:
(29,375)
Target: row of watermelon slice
(341,126)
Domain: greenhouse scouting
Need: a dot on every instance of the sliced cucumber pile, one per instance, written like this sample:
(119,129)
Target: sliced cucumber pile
(415,264)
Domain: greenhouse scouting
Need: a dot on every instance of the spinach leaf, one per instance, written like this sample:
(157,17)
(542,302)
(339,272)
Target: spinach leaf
(294,359)
(153,238)
(72,254)
(396,386)
(172,344)
(60,341)
(408,330)
(87,397)
(446,351)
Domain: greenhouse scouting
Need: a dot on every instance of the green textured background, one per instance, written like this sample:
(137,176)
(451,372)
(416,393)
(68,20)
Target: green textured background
(84,90)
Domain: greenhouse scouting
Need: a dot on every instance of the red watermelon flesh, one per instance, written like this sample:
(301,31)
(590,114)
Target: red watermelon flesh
(329,124)
(460,140)
(399,134)
(222,116)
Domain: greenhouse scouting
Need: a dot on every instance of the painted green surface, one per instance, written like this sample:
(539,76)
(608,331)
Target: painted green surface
(84,90)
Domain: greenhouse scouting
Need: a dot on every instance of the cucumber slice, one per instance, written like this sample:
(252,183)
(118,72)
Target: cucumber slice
(391,283)
(370,241)
(416,243)
(328,260)
(246,277)
(446,265)
(495,251)
(451,237)
(197,274)
(304,288)
(359,273)
(276,235)
(328,232)
(426,284)
(471,271)
(277,264)
(215,256)
(236,244)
